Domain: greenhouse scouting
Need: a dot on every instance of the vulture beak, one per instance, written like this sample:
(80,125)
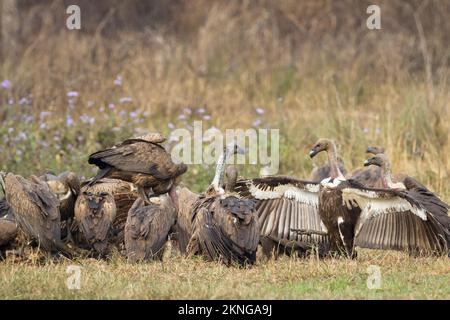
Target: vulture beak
(93,204)
(313,152)
(367,163)
(371,150)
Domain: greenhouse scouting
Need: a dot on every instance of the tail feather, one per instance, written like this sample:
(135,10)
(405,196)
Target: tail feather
(102,173)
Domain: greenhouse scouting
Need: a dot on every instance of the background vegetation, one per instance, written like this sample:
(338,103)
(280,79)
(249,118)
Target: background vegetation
(310,68)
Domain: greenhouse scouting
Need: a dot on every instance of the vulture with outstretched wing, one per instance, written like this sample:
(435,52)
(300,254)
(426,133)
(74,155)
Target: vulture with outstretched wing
(405,219)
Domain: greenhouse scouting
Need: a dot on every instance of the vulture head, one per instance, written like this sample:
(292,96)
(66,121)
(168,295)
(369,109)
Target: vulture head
(375,149)
(321,145)
(379,160)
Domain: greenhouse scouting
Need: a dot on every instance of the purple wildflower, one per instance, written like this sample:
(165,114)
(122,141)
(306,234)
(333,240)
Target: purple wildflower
(72,94)
(5,84)
(201,110)
(259,110)
(118,81)
(111,106)
(366,130)
(182,117)
(171,126)
(206,117)
(11,101)
(69,121)
(257,122)
(187,110)
(133,114)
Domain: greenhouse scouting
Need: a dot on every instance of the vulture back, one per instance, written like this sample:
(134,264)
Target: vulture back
(35,209)
(147,228)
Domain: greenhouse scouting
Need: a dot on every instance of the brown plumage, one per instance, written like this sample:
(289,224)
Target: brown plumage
(183,227)
(95,211)
(147,228)
(35,209)
(66,186)
(225,226)
(324,171)
(414,220)
(142,161)
(8,227)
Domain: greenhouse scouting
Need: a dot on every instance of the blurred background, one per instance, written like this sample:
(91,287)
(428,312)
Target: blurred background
(309,68)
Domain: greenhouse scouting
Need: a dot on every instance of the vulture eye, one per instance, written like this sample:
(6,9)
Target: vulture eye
(103,194)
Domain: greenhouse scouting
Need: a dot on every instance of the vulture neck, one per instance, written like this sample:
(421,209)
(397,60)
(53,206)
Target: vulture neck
(386,177)
(333,162)
(220,169)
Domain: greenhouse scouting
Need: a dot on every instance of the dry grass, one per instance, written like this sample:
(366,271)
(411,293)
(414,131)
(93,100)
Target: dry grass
(179,278)
(315,70)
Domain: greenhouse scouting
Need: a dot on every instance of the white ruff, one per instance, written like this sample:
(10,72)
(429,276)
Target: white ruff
(65,196)
(309,195)
(329,183)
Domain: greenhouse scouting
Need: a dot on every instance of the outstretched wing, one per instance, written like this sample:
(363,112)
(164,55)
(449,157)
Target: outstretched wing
(285,205)
(397,220)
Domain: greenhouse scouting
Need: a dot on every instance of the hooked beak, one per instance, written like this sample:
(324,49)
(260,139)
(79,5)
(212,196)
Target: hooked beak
(93,205)
(367,163)
(313,153)
(371,150)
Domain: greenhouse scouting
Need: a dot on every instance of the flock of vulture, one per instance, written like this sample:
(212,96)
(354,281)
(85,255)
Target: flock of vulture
(137,203)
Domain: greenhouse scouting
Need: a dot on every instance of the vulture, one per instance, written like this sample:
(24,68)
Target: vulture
(224,225)
(95,212)
(369,177)
(142,161)
(147,228)
(372,176)
(35,209)
(323,172)
(66,187)
(183,226)
(8,227)
(398,219)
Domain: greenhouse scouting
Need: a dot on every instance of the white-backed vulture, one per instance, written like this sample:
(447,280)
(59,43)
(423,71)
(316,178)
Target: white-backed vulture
(147,228)
(378,218)
(35,209)
(95,212)
(225,226)
(66,186)
(142,161)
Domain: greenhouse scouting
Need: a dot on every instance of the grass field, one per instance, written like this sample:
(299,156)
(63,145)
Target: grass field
(314,70)
(402,277)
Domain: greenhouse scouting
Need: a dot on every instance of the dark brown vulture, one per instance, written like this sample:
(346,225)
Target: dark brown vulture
(412,220)
(147,228)
(8,227)
(142,161)
(35,209)
(224,225)
(323,172)
(95,211)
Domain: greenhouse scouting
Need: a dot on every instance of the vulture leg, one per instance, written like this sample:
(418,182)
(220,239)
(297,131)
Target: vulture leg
(144,196)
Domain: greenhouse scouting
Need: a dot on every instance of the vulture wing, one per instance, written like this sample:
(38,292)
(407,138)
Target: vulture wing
(284,205)
(183,226)
(398,220)
(139,157)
